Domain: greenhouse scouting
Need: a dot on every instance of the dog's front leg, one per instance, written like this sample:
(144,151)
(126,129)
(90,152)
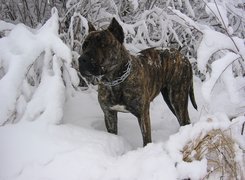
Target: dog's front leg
(111,121)
(145,125)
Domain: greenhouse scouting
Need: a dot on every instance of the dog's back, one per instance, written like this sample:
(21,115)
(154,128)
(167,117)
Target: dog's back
(167,64)
(172,74)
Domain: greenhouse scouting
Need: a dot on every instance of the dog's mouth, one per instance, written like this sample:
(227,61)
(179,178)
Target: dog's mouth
(98,71)
(86,73)
(92,73)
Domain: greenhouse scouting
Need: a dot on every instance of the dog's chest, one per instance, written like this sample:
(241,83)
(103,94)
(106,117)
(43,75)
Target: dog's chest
(120,108)
(113,98)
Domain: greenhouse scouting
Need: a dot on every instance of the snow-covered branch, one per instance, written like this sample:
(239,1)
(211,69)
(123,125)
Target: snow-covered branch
(31,65)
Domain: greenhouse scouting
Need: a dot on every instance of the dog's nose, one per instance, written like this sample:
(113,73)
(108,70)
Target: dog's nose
(84,65)
(83,59)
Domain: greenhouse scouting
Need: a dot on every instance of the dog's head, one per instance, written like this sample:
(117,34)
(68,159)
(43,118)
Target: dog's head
(101,50)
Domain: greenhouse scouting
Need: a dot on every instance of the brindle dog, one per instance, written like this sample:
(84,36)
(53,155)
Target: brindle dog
(129,83)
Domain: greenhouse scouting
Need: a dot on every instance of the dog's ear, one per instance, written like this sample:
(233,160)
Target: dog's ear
(116,29)
(90,27)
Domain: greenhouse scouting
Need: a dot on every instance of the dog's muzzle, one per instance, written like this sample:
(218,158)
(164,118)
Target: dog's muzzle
(87,67)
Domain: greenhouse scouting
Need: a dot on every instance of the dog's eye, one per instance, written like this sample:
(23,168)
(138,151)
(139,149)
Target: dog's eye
(101,39)
(103,45)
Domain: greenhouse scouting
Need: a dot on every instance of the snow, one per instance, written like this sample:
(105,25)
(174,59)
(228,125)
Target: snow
(51,131)
(135,4)
(231,49)
(219,12)
(214,41)
(5,26)
(82,149)
(219,67)
(37,150)
(51,87)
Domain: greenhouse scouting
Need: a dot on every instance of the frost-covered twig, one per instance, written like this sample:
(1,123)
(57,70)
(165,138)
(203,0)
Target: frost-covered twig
(188,22)
(242,131)
(70,10)
(224,25)
(226,28)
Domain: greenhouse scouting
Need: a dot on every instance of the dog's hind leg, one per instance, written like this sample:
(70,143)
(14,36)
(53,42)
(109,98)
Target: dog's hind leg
(165,94)
(179,101)
(111,121)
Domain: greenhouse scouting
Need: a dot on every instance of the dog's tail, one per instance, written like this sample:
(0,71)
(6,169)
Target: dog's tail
(192,97)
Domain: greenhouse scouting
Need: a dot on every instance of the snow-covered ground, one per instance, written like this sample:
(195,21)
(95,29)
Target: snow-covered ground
(58,133)
(80,148)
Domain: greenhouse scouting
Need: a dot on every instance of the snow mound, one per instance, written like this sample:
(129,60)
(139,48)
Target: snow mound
(37,150)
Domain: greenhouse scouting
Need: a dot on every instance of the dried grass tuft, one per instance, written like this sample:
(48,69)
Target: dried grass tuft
(218,148)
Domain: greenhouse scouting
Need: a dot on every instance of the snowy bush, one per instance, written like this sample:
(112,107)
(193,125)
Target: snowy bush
(183,25)
(209,145)
(35,66)
(31,13)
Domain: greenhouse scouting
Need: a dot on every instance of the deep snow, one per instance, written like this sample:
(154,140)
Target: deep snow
(80,148)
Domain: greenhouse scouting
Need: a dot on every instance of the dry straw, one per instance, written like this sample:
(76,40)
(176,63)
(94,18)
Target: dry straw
(219,149)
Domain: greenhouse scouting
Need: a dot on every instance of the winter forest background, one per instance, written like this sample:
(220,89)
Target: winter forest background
(40,89)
